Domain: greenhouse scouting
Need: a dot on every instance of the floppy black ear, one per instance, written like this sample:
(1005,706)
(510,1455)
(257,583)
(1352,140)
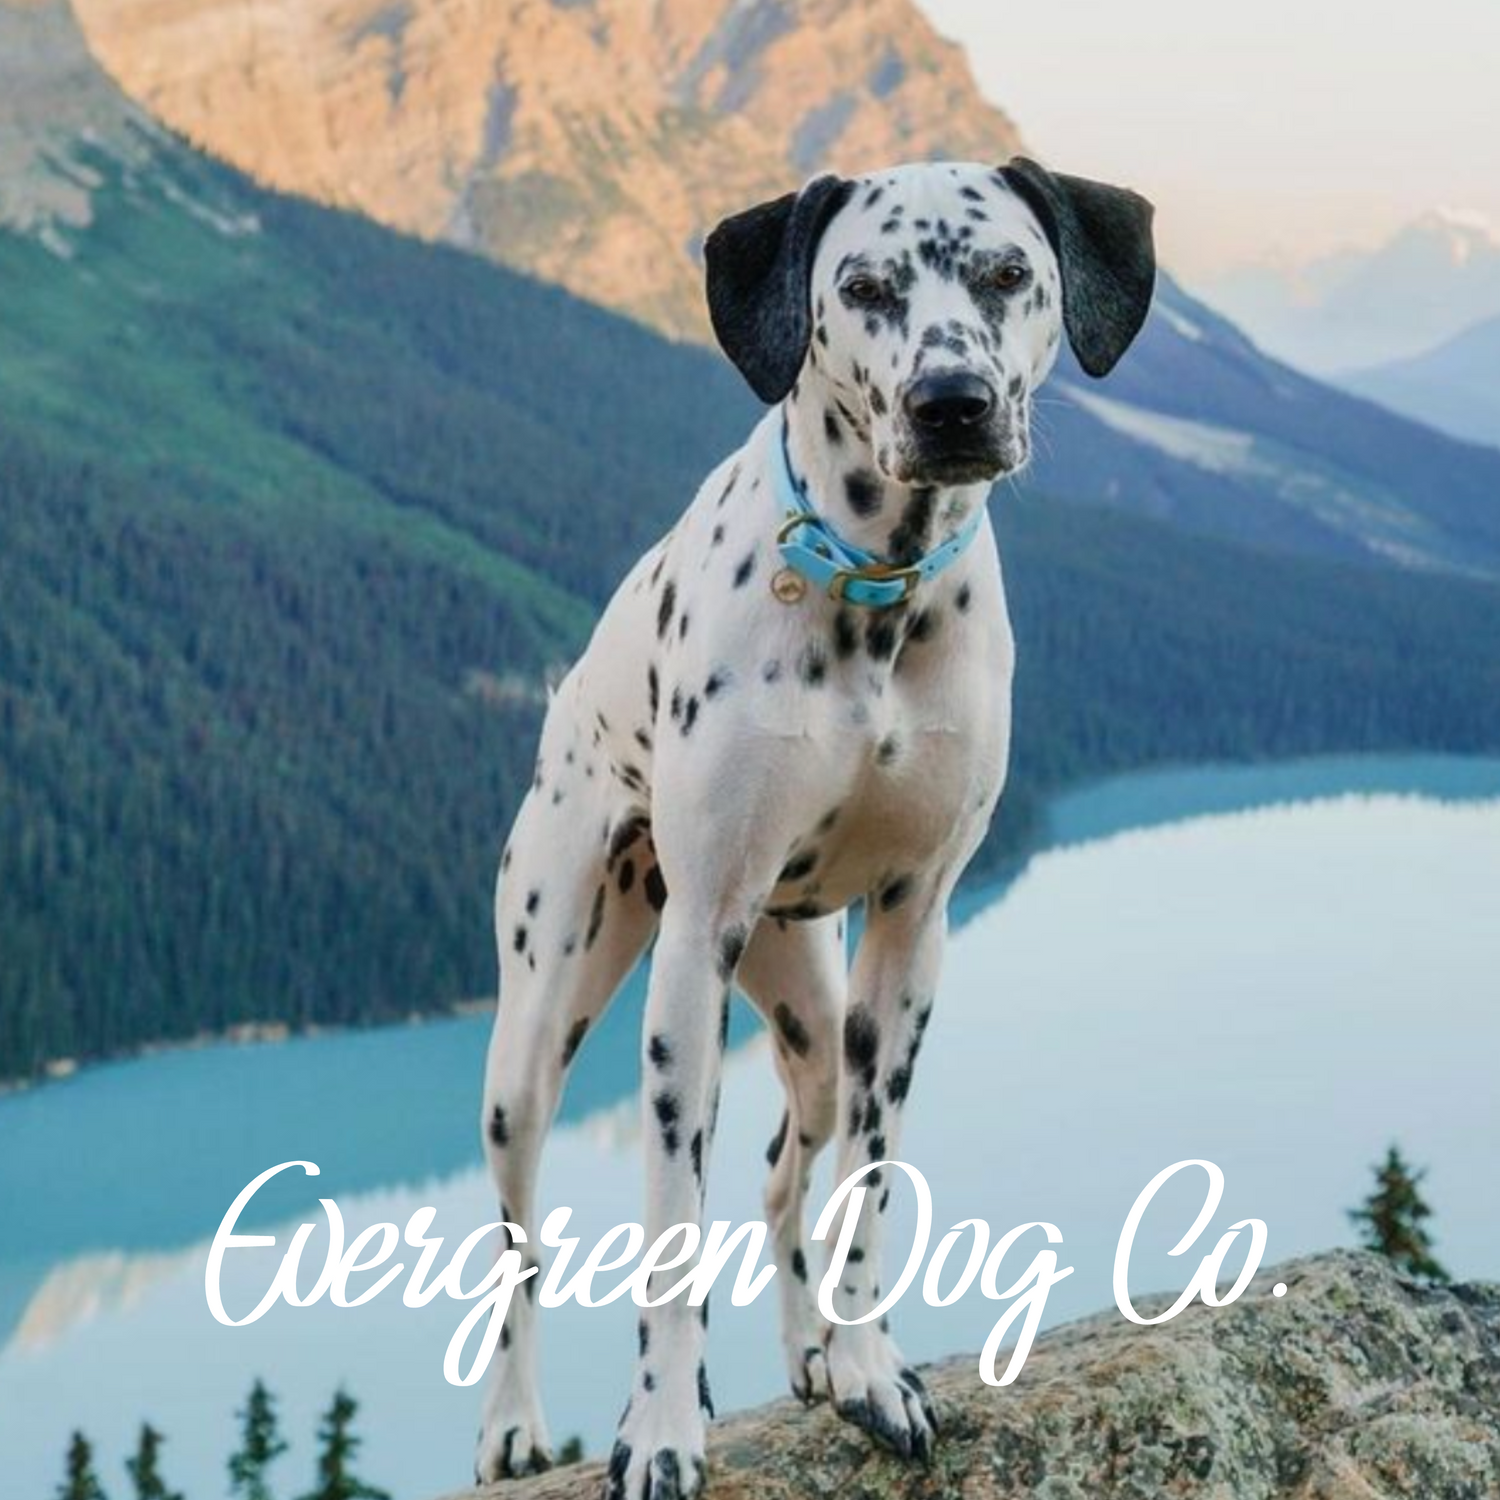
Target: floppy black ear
(1102,238)
(759,271)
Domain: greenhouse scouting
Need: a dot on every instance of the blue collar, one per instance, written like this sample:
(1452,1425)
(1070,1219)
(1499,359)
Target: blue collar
(844,571)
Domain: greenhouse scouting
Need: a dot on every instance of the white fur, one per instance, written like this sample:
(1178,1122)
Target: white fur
(906,748)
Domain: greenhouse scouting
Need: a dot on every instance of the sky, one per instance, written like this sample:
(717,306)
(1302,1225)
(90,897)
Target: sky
(1276,131)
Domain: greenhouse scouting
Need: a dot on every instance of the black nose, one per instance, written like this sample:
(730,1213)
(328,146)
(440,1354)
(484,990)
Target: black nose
(948,401)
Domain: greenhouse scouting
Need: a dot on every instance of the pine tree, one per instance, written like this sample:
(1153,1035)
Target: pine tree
(261,1444)
(1392,1217)
(82,1483)
(143,1469)
(335,1481)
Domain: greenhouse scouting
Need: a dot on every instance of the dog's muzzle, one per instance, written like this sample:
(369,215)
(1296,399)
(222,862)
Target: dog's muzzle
(957,431)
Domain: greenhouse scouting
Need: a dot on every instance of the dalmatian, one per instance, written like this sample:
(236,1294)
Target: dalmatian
(798,700)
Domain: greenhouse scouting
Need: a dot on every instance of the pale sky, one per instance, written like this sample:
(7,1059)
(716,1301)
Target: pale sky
(1267,129)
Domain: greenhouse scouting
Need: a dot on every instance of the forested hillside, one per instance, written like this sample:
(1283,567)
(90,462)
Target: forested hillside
(296,516)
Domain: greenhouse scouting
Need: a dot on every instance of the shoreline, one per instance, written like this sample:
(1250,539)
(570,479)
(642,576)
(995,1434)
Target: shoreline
(1071,815)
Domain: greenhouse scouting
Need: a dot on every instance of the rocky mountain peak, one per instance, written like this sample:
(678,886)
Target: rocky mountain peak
(591,142)
(60,117)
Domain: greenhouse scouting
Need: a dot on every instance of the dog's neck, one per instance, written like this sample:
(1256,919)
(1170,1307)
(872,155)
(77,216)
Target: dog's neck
(829,448)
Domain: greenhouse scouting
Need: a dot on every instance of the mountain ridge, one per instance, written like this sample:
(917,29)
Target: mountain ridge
(590,144)
(1357,308)
(1454,387)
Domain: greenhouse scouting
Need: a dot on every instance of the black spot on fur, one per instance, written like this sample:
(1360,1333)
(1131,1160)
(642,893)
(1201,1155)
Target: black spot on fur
(793,1032)
(862,491)
(771,671)
(894,892)
(625,834)
(499,1129)
(922,625)
(831,429)
(689,715)
(909,540)
(731,950)
(627,875)
(800,866)
(659,1050)
(845,636)
(887,750)
(518,942)
(778,1141)
(667,1109)
(655,888)
(574,1040)
(706,1405)
(533,900)
(743,570)
(812,665)
(665,608)
(716,683)
(799,911)
(799,1265)
(596,918)
(899,1085)
(861,1043)
(880,636)
(963,598)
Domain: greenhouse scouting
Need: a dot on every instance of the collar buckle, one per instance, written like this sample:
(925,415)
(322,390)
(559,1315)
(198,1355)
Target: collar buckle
(908,578)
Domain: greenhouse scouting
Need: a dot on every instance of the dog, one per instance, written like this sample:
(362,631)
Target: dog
(798,699)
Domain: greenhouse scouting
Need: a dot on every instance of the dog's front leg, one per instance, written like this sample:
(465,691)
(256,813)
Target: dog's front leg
(659,1452)
(891,994)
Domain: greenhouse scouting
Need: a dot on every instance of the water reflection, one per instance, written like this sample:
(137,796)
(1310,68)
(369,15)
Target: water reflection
(1282,991)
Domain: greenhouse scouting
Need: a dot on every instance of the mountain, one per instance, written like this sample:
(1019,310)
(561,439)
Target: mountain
(1199,428)
(1435,277)
(297,524)
(1455,387)
(590,143)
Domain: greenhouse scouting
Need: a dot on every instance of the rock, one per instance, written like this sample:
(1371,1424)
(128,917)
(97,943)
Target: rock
(60,118)
(1356,1385)
(590,142)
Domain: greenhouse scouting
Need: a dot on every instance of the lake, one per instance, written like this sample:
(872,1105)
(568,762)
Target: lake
(1279,969)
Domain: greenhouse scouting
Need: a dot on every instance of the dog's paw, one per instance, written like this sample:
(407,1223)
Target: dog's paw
(873,1389)
(657,1456)
(513,1440)
(807,1368)
(511,1452)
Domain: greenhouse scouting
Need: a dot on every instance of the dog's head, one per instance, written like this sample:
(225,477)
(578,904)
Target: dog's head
(931,300)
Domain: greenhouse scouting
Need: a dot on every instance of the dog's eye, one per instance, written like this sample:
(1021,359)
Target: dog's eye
(865,290)
(1008,277)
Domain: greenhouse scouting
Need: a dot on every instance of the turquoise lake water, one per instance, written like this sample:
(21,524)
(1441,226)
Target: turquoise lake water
(1278,969)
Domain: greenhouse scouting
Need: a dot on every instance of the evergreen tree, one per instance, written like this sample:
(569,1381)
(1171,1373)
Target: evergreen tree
(143,1468)
(1391,1219)
(335,1479)
(82,1483)
(261,1444)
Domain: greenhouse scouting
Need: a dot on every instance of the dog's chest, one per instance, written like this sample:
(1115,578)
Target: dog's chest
(885,784)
